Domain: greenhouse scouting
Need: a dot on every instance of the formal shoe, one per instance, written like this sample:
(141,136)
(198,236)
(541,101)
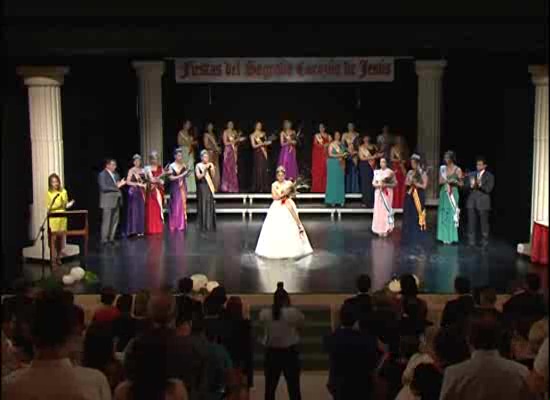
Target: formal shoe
(114,243)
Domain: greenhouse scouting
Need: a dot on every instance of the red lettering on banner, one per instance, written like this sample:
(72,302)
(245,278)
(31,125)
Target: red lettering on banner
(204,69)
(267,71)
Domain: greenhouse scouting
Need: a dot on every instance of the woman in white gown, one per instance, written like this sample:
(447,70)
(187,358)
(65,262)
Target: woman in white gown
(283,235)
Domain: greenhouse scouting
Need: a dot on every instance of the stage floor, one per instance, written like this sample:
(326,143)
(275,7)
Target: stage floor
(343,250)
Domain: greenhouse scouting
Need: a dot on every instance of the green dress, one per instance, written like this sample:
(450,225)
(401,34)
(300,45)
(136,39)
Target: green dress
(447,231)
(335,192)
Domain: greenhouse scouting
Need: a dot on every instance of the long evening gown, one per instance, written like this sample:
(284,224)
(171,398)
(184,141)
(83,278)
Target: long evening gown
(154,200)
(135,219)
(244,163)
(319,164)
(206,206)
(399,189)
(287,158)
(230,181)
(447,231)
(352,169)
(178,201)
(280,236)
(380,221)
(260,173)
(411,230)
(366,173)
(335,193)
(188,153)
(214,157)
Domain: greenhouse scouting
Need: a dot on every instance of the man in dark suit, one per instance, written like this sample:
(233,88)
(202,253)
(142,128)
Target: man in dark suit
(361,302)
(110,200)
(481,184)
(456,311)
(353,359)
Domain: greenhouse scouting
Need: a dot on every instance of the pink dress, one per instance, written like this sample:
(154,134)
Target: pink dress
(381,223)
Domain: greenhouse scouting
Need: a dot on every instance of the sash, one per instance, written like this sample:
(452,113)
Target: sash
(391,219)
(288,137)
(421,212)
(139,180)
(456,215)
(209,181)
(259,140)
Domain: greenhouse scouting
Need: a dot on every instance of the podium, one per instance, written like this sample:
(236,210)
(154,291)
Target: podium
(81,232)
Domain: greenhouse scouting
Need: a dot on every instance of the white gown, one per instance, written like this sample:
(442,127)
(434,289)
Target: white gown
(280,236)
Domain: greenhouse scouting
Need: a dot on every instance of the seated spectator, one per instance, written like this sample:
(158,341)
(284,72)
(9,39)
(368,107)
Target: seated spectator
(353,358)
(537,334)
(152,377)
(238,341)
(68,296)
(19,311)
(526,306)
(125,327)
(187,307)
(99,354)
(140,303)
(388,379)
(488,300)
(426,383)
(414,310)
(76,342)
(362,300)
(185,360)
(51,374)
(384,321)
(425,354)
(281,323)
(538,379)
(457,311)
(450,347)
(106,313)
(487,375)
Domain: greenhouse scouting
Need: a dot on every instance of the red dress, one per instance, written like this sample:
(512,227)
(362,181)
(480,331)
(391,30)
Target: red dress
(400,189)
(319,165)
(154,217)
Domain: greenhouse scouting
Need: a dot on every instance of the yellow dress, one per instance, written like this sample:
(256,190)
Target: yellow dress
(60,204)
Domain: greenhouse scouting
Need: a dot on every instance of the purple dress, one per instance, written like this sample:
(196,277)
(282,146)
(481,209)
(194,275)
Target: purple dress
(287,158)
(135,220)
(178,201)
(230,181)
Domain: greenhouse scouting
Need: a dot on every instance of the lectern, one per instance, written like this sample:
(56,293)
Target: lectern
(81,232)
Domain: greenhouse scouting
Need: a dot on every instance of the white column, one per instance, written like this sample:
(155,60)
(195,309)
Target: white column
(150,105)
(44,89)
(539,191)
(430,77)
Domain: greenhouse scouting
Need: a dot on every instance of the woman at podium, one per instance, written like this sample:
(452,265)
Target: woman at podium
(57,201)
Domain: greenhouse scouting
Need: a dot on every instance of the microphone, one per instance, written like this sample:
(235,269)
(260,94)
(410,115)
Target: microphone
(53,201)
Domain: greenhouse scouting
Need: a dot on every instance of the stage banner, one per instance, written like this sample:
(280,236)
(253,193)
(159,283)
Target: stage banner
(258,70)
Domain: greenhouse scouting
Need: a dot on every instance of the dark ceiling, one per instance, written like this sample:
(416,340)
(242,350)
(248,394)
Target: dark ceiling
(38,29)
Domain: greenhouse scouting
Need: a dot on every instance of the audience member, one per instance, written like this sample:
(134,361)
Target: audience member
(106,313)
(426,383)
(125,327)
(353,358)
(141,300)
(526,306)
(538,379)
(152,376)
(19,310)
(457,311)
(537,334)
(384,321)
(487,375)
(238,340)
(362,301)
(99,353)
(51,374)
(414,311)
(424,355)
(450,347)
(187,307)
(281,323)
(184,361)
(76,342)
